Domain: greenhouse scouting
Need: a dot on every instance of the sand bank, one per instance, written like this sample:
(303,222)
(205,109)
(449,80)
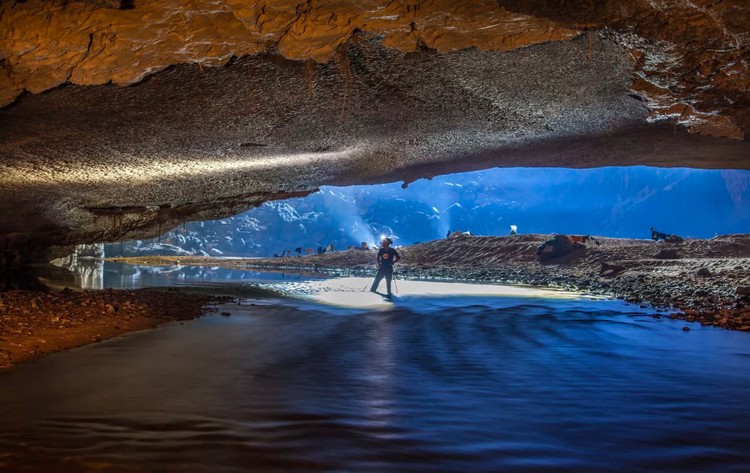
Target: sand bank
(707,280)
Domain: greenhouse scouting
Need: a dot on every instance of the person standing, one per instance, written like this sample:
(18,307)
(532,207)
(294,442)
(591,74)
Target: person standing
(387,257)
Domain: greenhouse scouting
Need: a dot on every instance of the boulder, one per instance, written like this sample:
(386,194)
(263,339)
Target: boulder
(559,245)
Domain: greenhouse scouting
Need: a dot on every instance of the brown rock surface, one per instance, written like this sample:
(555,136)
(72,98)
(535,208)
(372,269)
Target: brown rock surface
(695,53)
(47,43)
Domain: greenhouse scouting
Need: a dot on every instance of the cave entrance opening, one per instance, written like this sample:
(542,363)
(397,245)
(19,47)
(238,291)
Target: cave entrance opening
(621,202)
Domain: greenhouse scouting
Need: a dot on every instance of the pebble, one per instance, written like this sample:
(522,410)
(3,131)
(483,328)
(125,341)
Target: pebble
(68,310)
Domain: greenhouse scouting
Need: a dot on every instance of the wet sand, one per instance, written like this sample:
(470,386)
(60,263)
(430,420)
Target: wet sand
(34,323)
(707,280)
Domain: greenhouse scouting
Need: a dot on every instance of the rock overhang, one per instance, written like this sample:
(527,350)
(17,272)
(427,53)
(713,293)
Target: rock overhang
(320,103)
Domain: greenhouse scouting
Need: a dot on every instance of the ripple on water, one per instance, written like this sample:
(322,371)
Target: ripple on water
(462,383)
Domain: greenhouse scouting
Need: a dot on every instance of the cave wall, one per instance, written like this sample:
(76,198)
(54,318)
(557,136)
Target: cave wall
(123,119)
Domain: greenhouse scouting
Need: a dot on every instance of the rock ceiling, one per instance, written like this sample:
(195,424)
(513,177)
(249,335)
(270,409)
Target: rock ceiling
(123,118)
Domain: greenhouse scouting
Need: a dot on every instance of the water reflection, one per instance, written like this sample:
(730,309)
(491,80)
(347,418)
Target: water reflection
(531,385)
(83,268)
(100,274)
(87,273)
(379,374)
(119,275)
(487,379)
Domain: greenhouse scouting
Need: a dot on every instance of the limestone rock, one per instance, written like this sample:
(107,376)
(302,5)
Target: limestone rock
(691,60)
(559,245)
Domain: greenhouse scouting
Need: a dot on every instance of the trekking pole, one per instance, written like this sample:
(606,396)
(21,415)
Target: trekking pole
(394,283)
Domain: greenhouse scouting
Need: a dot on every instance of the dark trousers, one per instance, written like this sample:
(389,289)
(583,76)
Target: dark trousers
(383,272)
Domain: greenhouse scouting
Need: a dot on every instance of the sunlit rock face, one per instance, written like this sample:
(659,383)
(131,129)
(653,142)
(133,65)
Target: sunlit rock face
(174,111)
(97,42)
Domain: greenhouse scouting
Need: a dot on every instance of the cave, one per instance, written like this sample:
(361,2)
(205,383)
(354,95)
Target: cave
(128,120)
(121,119)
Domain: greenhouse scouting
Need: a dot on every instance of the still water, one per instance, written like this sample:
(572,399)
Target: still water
(462,382)
(99,274)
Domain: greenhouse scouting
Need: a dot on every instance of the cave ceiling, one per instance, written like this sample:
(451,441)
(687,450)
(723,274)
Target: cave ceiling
(121,119)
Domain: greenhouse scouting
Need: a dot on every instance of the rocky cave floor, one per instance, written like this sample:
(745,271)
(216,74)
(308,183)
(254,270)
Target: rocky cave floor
(35,323)
(704,281)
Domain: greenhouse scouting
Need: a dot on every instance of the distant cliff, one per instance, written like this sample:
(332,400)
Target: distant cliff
(616,202)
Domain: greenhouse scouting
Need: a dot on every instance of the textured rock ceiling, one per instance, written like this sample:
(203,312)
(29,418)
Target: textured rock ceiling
(122,118)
